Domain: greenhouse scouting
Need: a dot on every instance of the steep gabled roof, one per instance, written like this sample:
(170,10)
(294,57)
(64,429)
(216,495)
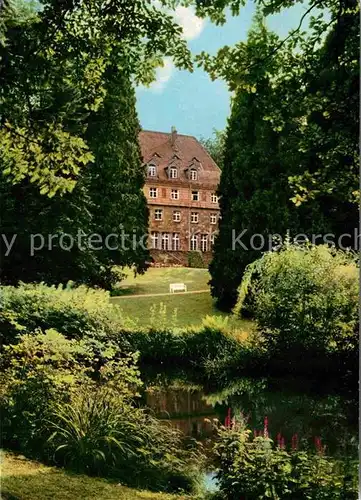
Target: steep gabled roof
(186,147)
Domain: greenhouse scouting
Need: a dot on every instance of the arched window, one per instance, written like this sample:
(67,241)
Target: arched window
(173,172)
(176,241)
(193,174)
(204,242)
(165,241)
(194,242)
(152,170)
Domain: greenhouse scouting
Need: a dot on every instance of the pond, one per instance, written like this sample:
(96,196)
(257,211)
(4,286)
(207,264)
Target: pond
(292,408)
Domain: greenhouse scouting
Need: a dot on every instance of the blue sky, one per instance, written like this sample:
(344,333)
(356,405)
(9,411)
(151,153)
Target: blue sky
(191,101)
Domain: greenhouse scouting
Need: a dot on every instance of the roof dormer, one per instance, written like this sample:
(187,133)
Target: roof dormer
(193,170)
(172,171)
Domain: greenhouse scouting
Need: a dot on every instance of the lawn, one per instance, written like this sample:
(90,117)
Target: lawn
(191,308)
(157,280)
(22,479)
(179,309)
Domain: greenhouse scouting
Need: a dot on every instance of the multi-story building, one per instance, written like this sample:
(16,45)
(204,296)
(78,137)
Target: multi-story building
(180,188)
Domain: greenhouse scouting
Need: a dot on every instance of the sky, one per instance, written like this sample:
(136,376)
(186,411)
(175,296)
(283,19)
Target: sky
(191,101)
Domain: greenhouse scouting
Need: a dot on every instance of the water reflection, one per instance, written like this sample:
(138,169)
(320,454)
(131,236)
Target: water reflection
(187,409)
(307,414)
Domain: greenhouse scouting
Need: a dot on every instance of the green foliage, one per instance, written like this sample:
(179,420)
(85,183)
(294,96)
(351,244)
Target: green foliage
(292,146)
(215,349)
(195,259)
(215,146)
(115,178)
(97,432)
(107,198)
(254,468)
(63,54)
(76,312)
(59,405)
(158,318)
(304,297)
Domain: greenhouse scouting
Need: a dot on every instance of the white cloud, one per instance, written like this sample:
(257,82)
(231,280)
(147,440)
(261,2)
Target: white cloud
(192,27)
(163,75)
(191,24)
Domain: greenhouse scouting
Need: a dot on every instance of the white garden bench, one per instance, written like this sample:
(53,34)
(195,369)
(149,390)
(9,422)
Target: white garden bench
(177,287)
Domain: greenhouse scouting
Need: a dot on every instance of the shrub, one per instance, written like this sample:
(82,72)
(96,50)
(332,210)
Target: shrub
(98,432)
(195,259)
(304,297)
(47,367)
(254,468)
(58,403)
(75,312)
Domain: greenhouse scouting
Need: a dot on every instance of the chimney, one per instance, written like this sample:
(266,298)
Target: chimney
(173,136)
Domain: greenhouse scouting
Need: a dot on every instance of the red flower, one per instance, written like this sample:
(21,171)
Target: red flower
(318,444)
(265,427)
(279,439)
(227,421)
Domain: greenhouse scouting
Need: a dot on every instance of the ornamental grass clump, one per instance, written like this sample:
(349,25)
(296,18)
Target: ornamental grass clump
(63,404)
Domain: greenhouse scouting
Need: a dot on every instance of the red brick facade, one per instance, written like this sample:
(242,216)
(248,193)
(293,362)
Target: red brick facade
(181,181)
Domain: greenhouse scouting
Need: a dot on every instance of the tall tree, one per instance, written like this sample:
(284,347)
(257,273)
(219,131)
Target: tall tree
(53,68)
(288,129)
(116,176)
(69,154)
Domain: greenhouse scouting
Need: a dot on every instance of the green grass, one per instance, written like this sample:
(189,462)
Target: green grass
(191,308)
(22,479)
(157,280)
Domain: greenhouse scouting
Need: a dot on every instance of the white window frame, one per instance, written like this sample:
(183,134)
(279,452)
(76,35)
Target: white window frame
(154,236)
(195,195)
(193,174)
(176,216)
(204,243)
(175,242)
(174,194)
(173,173)
(214,198)
(158,214)
(194,217)
(194,242)
(211,239)
(153,192)
(213,219)
(165,241)
(152,168)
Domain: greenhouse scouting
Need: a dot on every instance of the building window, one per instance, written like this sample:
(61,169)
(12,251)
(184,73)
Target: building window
(193,174)
(153,192)
(194,242)
(176,216)
(154,240)
(174,194)
(214,198)
(173,173)
(213,218)
(158,214)
(212,238)
(195,195)
(204,243)
(176,241)
(194,217)
(165,241)
(152,170)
